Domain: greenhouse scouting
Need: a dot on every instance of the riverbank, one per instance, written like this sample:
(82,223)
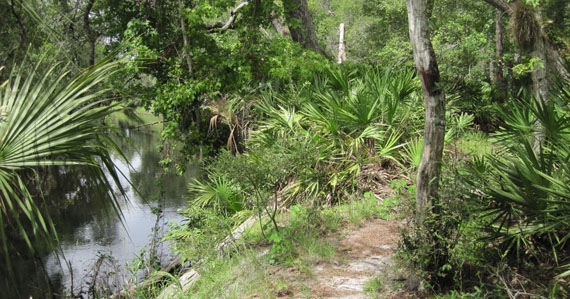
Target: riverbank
(100,252)
(346,251)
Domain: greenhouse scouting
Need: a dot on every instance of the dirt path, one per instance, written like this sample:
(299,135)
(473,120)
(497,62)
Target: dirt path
(363,253)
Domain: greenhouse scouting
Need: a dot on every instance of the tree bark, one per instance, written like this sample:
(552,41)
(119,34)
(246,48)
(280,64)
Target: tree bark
(540,82)
(341,46)
(499,4)
(231,20)
(91,35)
(501,87)
(300,23)
(279,27)
(427,183)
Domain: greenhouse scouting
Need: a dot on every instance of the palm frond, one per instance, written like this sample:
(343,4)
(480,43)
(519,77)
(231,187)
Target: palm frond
(220,194)
(388,148)
(48,120)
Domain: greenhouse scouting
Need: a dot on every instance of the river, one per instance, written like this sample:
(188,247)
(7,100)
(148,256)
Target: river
(96,247)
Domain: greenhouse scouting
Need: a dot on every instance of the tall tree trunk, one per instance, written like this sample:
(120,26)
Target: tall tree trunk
(434,132)
(185,38)
(279,27)
(341,45)
(23,32)
(300,24)
(539,47)
(501,86)
(91,35)
(540,82)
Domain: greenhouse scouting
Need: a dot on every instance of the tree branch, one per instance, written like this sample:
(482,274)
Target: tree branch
(185,38)
(230,22)
(499,4)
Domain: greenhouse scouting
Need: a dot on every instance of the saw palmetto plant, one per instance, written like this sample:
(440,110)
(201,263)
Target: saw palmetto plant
(526,193)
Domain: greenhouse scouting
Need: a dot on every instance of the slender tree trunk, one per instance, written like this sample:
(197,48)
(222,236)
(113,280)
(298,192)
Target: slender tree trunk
(91,35)
(540,82)
(185,38)
(424,57)
(501,87)
(300,24)
(341,46)
(23,32)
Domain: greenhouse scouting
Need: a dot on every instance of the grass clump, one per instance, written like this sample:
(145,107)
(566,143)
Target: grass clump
(244,275)
(374,286)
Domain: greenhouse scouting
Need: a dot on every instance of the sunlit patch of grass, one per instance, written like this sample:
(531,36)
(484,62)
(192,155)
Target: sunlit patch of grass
(359,210)
(242,276)
(475,143)
(316,250)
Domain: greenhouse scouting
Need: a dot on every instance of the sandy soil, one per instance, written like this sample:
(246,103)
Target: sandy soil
(363,253)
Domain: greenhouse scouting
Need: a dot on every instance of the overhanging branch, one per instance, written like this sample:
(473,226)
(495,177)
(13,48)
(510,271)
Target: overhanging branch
(219,26)
(499,4)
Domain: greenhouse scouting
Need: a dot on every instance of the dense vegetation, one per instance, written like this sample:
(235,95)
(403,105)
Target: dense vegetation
(253,89)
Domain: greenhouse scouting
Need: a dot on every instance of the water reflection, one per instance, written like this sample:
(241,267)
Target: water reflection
(92,237)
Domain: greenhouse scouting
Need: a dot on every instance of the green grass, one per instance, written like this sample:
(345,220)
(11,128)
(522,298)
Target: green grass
(374,286)
(244,275)
(475,143)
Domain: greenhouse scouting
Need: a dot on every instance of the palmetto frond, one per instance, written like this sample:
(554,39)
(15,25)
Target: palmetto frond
(413,151)
(49,120)
(220,193)
(280,122)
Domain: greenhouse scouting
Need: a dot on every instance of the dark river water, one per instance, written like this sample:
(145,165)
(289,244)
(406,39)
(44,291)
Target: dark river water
(95,246)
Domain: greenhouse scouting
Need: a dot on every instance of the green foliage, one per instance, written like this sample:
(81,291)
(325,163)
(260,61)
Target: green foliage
(287,62)
(243,275)
(458,125)
(533,63)
(476,144)
(302,242)
(299,242)
(258,173)
(374,286)
(196,238)
(361,210)
(519,193)
(375,31)
(443,251)
(282,249)
(413,151)
(221,194)
(335,124)
(502,211)
(526,187)
(427,248)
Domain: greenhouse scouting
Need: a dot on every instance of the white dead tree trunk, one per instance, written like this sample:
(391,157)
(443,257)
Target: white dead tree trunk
(341,46)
